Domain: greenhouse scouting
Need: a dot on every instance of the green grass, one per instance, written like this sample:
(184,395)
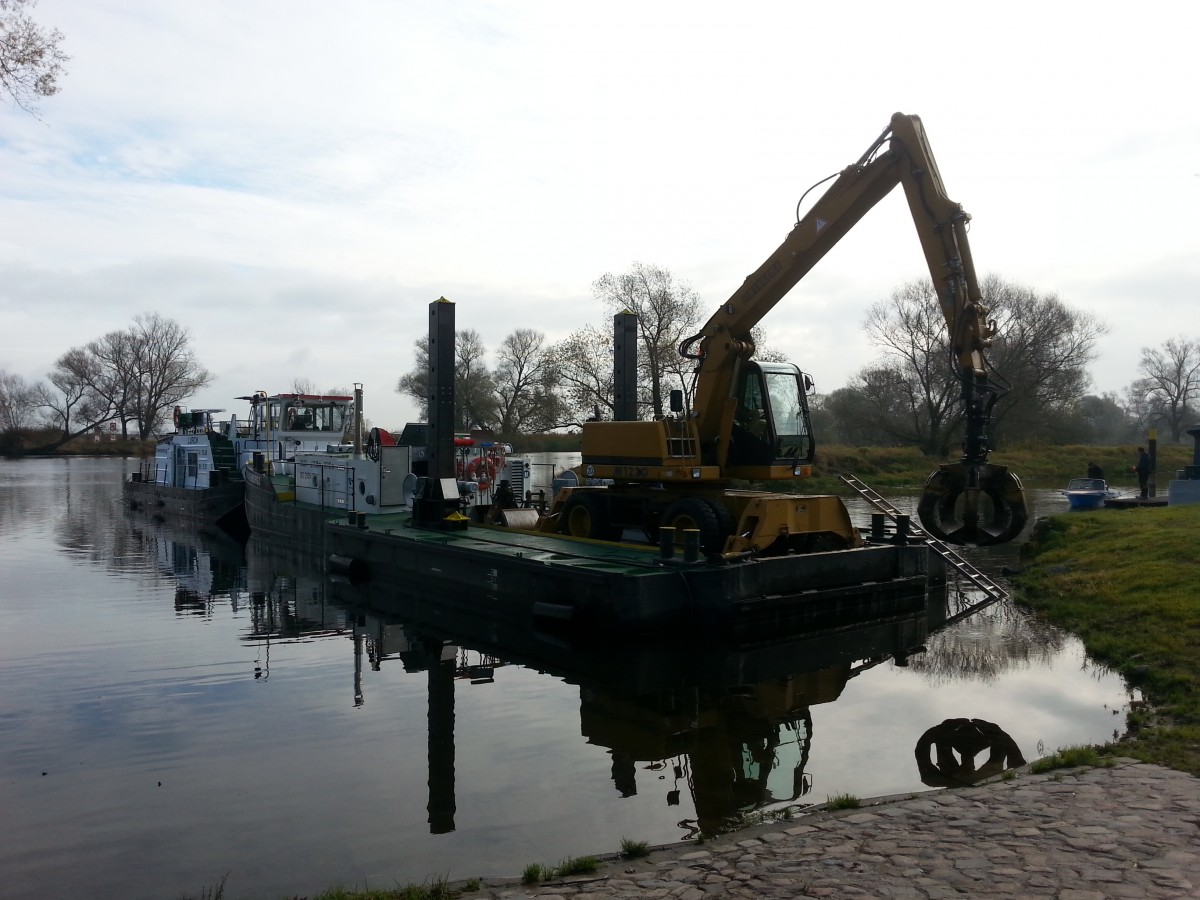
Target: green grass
(634,849)
(1074,757)
(1038,466)
(438,889)
(1126,585)
(577,865)
(534,872)
(843,801)
(572,865)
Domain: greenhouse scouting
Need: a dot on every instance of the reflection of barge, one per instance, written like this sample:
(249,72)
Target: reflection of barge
(728,722)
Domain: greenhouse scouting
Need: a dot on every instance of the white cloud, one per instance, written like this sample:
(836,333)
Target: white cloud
(295,182)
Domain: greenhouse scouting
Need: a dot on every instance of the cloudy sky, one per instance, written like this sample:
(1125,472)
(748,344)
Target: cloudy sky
(296,181)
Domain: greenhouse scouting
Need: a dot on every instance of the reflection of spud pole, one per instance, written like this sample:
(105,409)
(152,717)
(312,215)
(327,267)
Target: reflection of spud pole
(966,738)
(441,743)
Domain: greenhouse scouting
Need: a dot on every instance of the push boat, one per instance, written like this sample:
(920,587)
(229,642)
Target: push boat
(1088,493)
(293,492)
(196,472)
(193,476)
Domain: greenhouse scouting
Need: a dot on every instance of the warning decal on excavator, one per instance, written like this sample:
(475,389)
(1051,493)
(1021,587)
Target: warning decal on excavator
(821,223)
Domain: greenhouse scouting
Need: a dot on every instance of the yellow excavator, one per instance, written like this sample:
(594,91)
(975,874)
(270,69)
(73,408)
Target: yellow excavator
(749,420)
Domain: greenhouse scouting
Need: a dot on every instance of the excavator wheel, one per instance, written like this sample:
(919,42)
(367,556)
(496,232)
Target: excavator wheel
(714,522)
(978,504)
(586,515)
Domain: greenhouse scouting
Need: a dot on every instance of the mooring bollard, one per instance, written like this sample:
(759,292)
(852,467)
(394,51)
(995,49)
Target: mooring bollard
(902,529)
(691,544)
(666,543)
(878,526)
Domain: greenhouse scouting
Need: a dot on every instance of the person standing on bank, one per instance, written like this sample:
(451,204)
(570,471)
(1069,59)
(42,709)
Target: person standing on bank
(1143,471)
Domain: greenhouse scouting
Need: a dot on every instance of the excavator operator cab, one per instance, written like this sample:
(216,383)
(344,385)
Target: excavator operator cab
(771,423)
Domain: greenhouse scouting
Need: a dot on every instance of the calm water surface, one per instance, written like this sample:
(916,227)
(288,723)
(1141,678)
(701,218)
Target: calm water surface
(175,707)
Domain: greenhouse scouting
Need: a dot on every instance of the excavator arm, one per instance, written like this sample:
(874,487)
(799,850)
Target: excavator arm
(971,501)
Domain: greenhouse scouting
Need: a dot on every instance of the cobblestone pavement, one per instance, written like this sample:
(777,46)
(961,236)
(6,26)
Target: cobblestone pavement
(1132,830)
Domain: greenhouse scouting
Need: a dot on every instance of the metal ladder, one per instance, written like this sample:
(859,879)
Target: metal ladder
(992,590)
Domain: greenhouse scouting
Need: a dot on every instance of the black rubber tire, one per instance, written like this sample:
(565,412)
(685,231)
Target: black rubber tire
(586,515)
(701,514)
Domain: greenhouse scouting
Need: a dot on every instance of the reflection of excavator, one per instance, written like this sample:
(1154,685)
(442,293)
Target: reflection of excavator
(738,748)
(750,419)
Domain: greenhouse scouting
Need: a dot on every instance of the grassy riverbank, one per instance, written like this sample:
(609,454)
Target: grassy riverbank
(887,468)
(1128,583)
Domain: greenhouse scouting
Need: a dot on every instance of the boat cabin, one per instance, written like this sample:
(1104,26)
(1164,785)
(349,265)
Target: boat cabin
(327,413)
(281,425)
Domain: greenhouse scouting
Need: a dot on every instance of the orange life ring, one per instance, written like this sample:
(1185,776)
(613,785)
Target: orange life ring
(483,470)
(175,416)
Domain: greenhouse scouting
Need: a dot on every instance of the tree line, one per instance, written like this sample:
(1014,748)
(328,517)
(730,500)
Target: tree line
(907,395)
(133,376)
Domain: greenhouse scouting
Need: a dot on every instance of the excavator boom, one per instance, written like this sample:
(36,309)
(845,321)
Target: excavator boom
(749,419)
(972,501)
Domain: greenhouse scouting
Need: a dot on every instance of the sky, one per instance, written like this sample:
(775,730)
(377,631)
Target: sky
(295,182)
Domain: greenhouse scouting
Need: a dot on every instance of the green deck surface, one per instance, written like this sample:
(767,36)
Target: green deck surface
(599,556)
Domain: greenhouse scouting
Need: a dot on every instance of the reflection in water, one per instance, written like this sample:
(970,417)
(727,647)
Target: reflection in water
(318,733)
(946,754)
(1000,638)
(731,725)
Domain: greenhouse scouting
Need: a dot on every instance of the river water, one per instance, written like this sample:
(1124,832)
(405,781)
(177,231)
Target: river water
(176,708)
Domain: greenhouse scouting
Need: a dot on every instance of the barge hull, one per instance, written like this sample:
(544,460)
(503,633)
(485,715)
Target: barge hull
(222,504)
(273,513)
(603,586)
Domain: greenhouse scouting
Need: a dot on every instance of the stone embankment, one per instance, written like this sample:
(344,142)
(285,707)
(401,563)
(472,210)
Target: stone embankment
(1130,830)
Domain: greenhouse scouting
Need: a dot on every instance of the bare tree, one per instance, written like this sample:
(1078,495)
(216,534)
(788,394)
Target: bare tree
(112,368)
(1166,393)
(667,311)
(414,383)
(18,405)
(1102,419)
(30,61)
(167,370)
(1041,352)
(71,402)
(524,380)
(1042,348)
(474,395)
(583,371)
(914,388)
(135,375)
